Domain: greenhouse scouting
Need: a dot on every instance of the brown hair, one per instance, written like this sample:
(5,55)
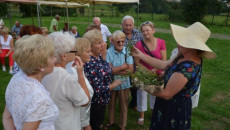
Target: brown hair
(92,27)
(29,30)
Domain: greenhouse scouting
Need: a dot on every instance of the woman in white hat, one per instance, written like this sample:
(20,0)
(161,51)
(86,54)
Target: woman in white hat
(182,77)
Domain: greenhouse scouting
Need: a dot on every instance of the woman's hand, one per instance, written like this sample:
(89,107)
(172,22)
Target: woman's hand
(135,52)
(115,84)
(79,65)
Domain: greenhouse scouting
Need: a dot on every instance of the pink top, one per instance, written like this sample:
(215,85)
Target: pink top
(156,53)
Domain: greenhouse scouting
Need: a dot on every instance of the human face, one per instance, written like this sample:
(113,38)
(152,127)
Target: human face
(97,47)
(70,56)
(118,44)
(85,55)
(97,22)
(127,26)
(50,65)
(147,32)
(74,31)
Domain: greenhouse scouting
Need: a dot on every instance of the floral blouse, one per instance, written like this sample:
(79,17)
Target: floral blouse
(99,74)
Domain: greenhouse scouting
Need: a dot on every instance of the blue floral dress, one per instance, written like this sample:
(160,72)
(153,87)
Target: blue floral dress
(175,113)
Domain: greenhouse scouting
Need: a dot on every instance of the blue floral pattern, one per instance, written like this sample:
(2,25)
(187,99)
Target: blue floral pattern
(99,74)
(175,113)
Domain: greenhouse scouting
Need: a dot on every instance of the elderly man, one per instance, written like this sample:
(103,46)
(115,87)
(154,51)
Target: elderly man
(132,37)
(54,23)
(104,29)
(74,32)
(16,29)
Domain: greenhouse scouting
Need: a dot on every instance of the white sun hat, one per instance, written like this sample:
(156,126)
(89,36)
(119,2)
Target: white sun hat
(195,37)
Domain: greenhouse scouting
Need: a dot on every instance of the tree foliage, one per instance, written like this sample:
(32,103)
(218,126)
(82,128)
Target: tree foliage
(3,8)
(194,10)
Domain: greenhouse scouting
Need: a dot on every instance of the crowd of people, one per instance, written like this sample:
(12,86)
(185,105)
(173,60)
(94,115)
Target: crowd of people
(64,81)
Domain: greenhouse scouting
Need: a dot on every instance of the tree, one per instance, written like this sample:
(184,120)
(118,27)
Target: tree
(214,7)
(3,8)
(27,10)
(194,10)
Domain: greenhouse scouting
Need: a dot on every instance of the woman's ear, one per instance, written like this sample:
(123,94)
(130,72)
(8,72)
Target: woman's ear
(63,57)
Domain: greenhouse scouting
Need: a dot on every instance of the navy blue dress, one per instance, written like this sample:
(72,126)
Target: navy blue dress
(175,113)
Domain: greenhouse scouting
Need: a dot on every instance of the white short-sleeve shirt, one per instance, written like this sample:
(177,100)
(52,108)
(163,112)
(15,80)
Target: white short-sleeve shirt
(28,101)
(68,95)
(105,32)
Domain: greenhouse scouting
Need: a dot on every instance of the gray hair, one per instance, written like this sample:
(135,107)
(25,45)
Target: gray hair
(63,43)
(96,18)
(118,34)
(126,18)
(74,27)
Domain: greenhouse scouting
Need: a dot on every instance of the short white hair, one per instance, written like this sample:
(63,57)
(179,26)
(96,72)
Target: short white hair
(127,17)
(96,18)
(74,27)
(63,43)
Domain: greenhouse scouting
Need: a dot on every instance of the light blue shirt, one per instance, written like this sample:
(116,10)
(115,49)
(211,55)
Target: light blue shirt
(117,59)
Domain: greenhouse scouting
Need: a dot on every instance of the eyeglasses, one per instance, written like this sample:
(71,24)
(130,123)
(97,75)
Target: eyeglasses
(120,41)
(73,52)
(148,23)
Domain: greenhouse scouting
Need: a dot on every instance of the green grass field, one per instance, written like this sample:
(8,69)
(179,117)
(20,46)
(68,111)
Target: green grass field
(214,104)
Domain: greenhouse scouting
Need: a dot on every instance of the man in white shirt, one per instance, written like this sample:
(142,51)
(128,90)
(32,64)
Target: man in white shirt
(104,29)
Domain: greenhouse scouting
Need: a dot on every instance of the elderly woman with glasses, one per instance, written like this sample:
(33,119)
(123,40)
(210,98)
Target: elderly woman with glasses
(28,104)
(154,47)
(83,50)
(99,74)
(68,92)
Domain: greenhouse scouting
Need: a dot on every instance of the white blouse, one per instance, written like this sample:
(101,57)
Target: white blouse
(28,101)
(68,96)
(85,111)
(5,44)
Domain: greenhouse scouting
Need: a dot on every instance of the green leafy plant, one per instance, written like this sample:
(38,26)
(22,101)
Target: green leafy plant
(147,77)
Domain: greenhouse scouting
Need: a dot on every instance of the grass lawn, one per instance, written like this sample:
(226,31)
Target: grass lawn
(214,105)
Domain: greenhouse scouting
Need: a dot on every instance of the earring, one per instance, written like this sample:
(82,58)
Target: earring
(42,69)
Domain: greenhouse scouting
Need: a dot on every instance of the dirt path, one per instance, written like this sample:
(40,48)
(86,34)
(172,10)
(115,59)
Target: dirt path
(213,35)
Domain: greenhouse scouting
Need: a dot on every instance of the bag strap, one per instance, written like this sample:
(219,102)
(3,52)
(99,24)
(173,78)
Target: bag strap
(146,48)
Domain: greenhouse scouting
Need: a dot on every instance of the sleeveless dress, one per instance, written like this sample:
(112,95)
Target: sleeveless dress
(175,113)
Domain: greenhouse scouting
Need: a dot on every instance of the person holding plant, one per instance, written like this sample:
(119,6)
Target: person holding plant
(28,104)
(154,47)
(6,49)
(99,74)
(173,105)
(122,64)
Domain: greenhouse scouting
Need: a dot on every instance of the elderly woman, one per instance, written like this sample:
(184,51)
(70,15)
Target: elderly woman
(122,64)
(28,104)
(154,47)
(83,50)
(173,105)
(99,74)
(6,48)
(68,92)
(74,32)
(45,31)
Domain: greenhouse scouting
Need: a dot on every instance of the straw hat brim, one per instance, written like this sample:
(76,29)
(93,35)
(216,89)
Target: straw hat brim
(186,38)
